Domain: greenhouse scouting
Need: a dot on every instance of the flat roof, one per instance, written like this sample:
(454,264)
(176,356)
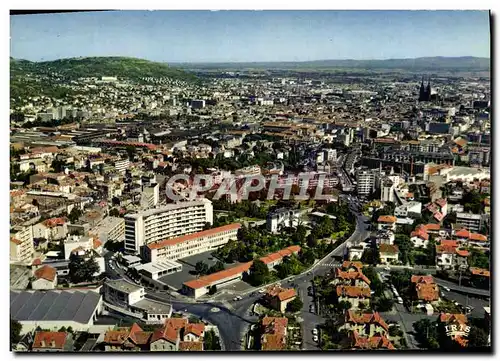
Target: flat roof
(153,306)
(78,306)
(157,267)
(169,207)
(321,214)
(123,286)
(130,258)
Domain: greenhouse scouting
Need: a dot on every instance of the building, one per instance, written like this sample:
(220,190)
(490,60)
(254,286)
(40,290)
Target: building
(50,341)
(365,324)
(388,253)
(52,229)
(167,222)
(473,222)
(191,244)
(408,208)
(109,229)
(54,309)
(273,333)
(282,218)
(197,104)
(21,245)
(45,278)
(122,165)
(178,334)
(278,298)
(358,342)
(387,190)
(449,255)
(425,92)
(387,223)
(425,289)
(459,321)
(150,196)
(158,269)
(365,181)
(126,339)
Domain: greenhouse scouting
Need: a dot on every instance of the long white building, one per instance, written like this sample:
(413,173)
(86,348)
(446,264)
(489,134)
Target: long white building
(191,244)
(167,222)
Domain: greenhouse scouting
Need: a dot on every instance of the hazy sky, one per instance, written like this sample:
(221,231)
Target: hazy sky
(211,36)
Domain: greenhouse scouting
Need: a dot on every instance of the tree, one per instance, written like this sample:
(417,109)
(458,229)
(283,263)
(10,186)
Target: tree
(114,213)
(299,236)
(259,273)
(426,333)
(405,248)
(201,268)
(295,305)
(344,305)
(479,259)
(74,214)
(217,267)
(81,269)
(210,341)
(15,331)
(478,338)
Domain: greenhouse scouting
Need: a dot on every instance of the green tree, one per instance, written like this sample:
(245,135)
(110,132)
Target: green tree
(74,214)
(210,341)
(478,338)
(405,248)
(479,259)
(426,333)
(299,236)
(259,273)
(217,267)
(81,269)
(201,268)
(15,331)
(114,213)
(295,305)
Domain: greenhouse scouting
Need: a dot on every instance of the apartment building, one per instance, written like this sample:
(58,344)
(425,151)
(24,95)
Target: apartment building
(122,165)
(366,180)
(472,222)
(190,244)
(110,229)
(282,218)
(158,224)
(21,245)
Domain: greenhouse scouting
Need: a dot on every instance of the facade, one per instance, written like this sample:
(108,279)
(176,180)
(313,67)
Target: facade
(45,278)
(51,229)
(273,333)
(21,245)
(158,269)
(278,298)
(388,253)
(122,165)
(282,218)
(449,256)
(110,229)
(191,244)
(365,324)
(167,222)
(366,181)
(387,191)
(472,222)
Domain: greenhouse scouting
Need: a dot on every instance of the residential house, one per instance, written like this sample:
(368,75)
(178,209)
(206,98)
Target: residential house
(45,278)
(273,333)
(471,239)
(358,342)
(386,223)
(278,298)
(353,277)
(52,229)
(358,297)
(450,256)
(127,339)
(47,341)
(388,253)
(419,237)
(425,289)
(178,334)
(459,322)
(365,324)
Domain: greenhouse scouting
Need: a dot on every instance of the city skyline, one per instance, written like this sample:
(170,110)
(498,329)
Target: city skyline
(251,36)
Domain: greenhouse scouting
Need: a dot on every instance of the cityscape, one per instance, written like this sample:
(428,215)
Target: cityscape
(308,181)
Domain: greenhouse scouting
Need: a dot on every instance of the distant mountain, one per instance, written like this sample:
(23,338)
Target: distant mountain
(121,67)
(465,63)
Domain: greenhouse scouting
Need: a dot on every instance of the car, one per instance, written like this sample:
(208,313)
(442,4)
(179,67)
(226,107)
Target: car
(235,299)
(239,298)
(315,338)
(387,268)
(447,289)
(315,331)
(400,300)
(261,291)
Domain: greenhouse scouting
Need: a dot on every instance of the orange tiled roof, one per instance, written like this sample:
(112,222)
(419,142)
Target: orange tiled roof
(46,272)
(458,317)
(479,271)
(54,222)
(190,346)
(371,343)
(353,291)
(15,240)
(96,243)
(356,264)
(422,279)
(386,219)
(351,275)
(206,281)
(48,338)
(170,330)
(189,237)
(427,292)
(388,248)
(366,318)
(432,227)
(420,233)
(195,328)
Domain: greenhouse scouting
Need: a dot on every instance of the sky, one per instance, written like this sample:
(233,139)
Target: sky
(246,36)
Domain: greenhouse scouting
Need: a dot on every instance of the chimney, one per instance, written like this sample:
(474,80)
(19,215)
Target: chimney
(42,343)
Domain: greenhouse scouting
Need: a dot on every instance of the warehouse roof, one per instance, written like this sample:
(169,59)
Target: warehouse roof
(76,306)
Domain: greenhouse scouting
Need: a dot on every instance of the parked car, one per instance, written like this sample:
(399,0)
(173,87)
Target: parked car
(315,338)
(447,289)
(400,300)
(387,268)
(315,331)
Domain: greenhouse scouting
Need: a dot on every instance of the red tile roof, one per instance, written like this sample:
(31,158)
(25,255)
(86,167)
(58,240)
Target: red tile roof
(189,237)
(195,328)
(479,271)
(46,272)
(422,279)
(388,248)
(49,340)
(351,275)
(366,318)
(123,334)
(190,346)
(432,227)
(421,233)
(170,330)
(16,241)
(386,219)
(353,291)
(54,222)
(273,337)
(348,264)
(371,343)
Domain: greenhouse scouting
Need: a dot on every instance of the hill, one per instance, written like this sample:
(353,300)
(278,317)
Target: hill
(465,63)
(121,67)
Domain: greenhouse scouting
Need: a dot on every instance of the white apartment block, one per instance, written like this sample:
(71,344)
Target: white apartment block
(21,245)
(110,229)
(472,222)
(191,244)
(282,218)
(365,180)
(122,165)
(167,222)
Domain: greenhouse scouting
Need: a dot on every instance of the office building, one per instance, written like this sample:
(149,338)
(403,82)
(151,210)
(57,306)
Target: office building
(472,222)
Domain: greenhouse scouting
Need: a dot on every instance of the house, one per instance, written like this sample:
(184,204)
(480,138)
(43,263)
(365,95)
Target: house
(278,298)
(127,339)
(356,296)
(273,333)
(52,229)
(480,277)
(352,277)
(178,334)
(358,342)
(471,239)
(365,324)
(425,289)
(388,253)
(419,237)
(45,278)
(46,341)
(194,332)
(450,256)
(386,223)
(458,323)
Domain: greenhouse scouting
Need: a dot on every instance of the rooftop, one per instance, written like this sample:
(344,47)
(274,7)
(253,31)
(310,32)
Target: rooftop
(123,286)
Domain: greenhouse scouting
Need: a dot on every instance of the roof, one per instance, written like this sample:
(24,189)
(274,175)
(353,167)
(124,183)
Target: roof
(270,258)
(170,330)
(16,241)
(432,227)
(53,305)
(427,292)
(453,317)
(46,272)
(388,248)
(193,236)
(420,232)
(366,318)
(123,285)
(479,271)
(371,343)
(190,346)
(422,279)
(195,328)
(50,340)
(54,222)
(351,275)
(348,264)
(207,281)
(353,291)
(282,293)
(386,219)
